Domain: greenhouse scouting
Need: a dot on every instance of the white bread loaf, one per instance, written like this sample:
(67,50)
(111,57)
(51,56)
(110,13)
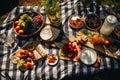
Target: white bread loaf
(49,33)
(46,33)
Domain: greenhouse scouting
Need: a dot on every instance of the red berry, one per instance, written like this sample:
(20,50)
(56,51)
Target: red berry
(69,47)
(26,52)
(106,42)
(21,56)
(70,43)
(32,55)
(34,60)
(70,55)
(75,51)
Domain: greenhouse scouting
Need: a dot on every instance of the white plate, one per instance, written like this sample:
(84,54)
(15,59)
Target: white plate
(54,62)
(88,56)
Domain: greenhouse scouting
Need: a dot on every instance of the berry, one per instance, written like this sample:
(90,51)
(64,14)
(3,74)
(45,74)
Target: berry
(106,42)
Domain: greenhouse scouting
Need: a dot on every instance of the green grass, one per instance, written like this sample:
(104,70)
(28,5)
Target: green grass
(2,18)
(104,2)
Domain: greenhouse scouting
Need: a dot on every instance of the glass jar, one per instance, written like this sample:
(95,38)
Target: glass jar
(108,25)
(52,10)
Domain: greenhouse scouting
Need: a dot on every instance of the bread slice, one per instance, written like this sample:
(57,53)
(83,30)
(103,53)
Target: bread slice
(37,55)
(41,51)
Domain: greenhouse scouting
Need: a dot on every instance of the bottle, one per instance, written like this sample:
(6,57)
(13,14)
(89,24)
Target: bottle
(53,12)
(108,25)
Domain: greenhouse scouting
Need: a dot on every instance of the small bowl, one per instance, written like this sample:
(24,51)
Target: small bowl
(93,22)
(76,21)
(52,59)
(25,27)
(88,56)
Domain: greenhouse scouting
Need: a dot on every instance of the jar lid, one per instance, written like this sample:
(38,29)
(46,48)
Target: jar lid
(112,19)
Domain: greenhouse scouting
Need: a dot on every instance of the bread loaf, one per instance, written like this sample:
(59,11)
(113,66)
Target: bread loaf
(49,33)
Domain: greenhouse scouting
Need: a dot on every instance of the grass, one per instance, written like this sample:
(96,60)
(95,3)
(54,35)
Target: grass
(104,2)
(2,19)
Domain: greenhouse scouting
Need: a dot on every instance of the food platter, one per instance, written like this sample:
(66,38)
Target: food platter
(28,23)
(27,56)
(70,51)
(89,36)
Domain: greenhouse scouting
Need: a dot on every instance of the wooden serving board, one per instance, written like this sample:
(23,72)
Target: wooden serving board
(84,36)
(35,52)
(76,58)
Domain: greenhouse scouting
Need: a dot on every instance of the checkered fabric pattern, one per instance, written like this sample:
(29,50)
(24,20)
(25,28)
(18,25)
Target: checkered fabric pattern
(10,42)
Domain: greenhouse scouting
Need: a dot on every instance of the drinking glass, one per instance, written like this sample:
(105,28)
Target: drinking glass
(52,10)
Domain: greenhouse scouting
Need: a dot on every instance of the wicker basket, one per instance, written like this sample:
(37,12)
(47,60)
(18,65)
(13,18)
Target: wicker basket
(31,14)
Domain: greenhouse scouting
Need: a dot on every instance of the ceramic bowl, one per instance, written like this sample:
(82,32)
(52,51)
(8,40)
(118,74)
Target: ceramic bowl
(93,22)
(76,21)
